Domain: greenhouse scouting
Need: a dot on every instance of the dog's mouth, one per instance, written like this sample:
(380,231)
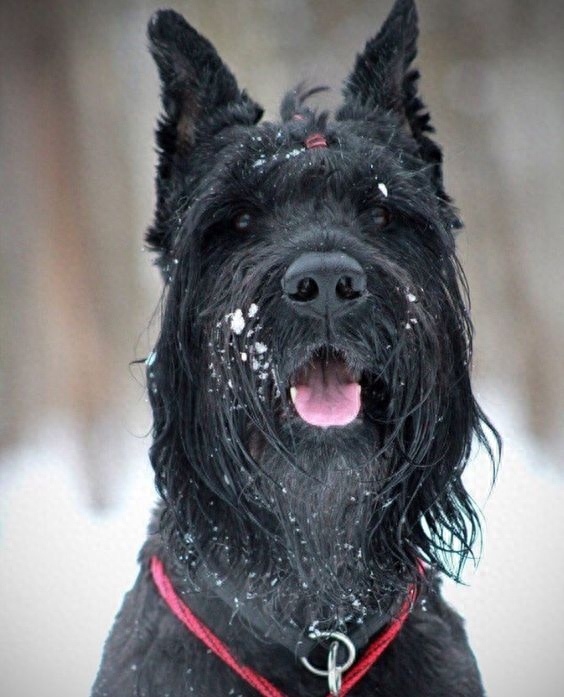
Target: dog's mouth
(325,390)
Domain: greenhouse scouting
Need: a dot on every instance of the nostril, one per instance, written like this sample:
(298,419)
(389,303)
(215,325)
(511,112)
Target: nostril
(346,289)
(319,284)
(307,290)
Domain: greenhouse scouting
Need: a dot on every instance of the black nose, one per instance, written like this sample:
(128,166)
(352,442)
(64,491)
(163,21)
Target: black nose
(324,283)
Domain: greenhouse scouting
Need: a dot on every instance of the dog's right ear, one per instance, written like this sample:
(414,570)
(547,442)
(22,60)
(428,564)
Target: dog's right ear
(200,97)
(199,93)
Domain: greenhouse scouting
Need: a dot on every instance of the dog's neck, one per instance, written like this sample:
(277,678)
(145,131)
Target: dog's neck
(223,601)
(256,611)
(282,600)
(316,554)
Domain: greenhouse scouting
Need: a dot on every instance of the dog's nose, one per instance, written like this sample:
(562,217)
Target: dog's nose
(324,283)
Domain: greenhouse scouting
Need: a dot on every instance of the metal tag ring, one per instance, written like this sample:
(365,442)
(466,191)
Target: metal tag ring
(335,677)
(338,636)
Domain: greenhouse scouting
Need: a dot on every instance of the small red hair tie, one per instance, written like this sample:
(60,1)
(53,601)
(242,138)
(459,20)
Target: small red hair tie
(315,140)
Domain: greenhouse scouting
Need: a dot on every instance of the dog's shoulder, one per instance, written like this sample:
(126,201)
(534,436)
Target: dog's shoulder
(433,649)
(141,633)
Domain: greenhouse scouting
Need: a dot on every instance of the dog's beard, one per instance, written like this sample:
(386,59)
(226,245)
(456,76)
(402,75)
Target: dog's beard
(312,496)
(318,524)
(316,501)
(322,509)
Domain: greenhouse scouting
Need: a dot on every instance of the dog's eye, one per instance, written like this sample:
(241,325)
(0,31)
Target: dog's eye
(242,222)
(380,217)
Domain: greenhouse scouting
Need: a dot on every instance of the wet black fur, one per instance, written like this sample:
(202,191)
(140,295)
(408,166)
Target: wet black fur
(266,521)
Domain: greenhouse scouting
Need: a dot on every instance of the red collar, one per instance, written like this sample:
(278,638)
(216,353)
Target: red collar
(260,683)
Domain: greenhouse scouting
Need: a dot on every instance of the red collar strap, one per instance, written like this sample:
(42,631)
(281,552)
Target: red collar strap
(260,683)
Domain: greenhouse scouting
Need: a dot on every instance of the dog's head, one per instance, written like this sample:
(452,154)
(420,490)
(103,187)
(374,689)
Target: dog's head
(310,385)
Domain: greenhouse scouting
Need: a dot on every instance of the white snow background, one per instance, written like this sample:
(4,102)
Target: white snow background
(64,570)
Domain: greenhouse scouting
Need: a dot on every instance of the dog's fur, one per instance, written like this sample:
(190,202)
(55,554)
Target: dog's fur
(270,525)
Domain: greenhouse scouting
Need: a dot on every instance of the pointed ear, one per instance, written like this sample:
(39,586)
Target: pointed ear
(383,81)
(200,97)
(381,71)
(199,93)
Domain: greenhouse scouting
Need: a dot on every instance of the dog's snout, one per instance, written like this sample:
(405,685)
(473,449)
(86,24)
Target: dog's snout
(324,283)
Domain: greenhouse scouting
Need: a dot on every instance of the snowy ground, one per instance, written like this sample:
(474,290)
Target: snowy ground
(63,570)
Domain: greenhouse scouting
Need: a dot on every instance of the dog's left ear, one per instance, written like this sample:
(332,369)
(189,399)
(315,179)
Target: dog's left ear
(381,77)
(200,97)
(382,80)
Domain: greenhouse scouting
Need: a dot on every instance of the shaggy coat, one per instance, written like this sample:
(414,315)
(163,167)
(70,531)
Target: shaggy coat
(313,411)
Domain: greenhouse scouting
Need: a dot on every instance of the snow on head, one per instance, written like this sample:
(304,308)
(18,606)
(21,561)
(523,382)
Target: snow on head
(294,153)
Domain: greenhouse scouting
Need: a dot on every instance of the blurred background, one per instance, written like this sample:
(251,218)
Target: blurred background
(78,299)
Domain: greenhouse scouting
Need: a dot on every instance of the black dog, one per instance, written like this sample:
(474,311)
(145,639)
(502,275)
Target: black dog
(313,412)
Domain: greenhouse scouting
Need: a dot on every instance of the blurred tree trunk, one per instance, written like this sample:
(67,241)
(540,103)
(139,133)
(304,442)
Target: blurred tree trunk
(498,94)
(70,241)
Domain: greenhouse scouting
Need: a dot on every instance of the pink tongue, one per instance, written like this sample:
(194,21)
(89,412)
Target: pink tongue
(327,397)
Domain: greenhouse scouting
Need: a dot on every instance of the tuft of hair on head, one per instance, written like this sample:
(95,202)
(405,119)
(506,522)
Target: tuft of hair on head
(293,104)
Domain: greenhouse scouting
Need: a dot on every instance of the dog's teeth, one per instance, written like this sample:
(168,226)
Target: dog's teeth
(293,393)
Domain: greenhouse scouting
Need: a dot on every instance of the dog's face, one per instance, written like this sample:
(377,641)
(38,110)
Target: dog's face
(313,409)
